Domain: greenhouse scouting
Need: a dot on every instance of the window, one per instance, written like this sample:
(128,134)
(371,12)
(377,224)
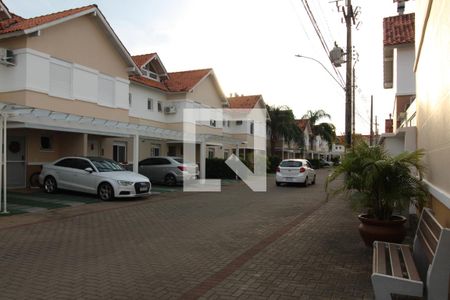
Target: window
(46,143)
(82,164)
(130,99)
(291,164)
(212,123)
(172,151)
(228,123)
(211,153)
(239,123)
(155,151)
(224,123)
(252,128)
(66,163)
(159,106)
(147,162)
(106,165)
(120,152)
(156,161)
(150,104)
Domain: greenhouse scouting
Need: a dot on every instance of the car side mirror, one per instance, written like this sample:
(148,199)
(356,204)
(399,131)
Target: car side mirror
(89,170)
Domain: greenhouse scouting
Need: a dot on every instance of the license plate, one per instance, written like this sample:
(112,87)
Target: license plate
(289,179)
(143,189)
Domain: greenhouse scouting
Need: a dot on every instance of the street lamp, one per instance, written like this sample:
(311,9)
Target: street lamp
(334,78)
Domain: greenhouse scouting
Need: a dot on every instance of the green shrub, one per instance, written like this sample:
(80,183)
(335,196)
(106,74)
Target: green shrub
(272,163)
(315,163)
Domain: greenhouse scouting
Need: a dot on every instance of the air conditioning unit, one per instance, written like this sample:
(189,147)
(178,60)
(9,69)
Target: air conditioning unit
(402,115)
(6,57)
(170,109)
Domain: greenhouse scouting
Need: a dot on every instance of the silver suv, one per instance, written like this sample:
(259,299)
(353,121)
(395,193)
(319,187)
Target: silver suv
(169,170)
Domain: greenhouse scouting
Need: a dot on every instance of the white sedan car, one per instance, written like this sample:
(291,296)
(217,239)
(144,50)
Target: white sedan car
(93,175)
(295,171)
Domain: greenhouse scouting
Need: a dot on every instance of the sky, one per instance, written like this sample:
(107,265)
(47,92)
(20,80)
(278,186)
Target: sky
(251,45)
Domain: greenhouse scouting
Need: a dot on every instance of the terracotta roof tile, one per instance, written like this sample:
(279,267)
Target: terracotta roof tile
(140,60)
(186,80)
(177,82)
(398,30)
(149,82)
(18,24)
(244,101)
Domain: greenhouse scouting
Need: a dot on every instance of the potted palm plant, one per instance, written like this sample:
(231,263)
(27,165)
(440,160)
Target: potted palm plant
(382,185)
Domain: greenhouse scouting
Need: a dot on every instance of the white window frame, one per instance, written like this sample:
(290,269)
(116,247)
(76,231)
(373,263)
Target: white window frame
(150,104)
(124,145)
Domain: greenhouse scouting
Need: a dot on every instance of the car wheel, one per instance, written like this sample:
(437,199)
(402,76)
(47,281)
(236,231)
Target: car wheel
(105,192)
(306,182)
(277,183)
(314,180)
(50,185)
(170,180)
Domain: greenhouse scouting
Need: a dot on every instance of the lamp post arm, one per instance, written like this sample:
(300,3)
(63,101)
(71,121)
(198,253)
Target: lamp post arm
(329,73)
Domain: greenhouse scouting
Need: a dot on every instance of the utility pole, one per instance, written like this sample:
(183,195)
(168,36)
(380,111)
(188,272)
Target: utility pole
(349,18)
(353,101)
(371,120)
(376,129)
(335,56)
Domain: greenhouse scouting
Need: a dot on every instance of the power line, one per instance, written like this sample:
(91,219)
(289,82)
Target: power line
(320,36)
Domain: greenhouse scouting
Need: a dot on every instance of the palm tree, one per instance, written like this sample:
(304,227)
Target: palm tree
(282,125)
(326,131)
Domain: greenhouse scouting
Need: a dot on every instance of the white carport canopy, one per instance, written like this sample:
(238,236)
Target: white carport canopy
(17,116)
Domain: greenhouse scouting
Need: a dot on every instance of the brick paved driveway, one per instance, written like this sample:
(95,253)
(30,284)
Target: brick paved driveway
(287,243)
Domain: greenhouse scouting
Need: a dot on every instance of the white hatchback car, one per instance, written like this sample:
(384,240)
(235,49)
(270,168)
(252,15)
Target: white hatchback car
(93,175)
(295,171)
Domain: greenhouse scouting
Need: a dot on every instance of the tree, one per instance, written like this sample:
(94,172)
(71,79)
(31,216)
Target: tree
(282,125)
(326,131)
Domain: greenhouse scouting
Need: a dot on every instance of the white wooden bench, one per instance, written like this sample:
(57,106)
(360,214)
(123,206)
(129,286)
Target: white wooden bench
(421,271)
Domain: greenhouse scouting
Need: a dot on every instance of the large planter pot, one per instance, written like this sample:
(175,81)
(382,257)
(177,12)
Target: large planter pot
(392,230)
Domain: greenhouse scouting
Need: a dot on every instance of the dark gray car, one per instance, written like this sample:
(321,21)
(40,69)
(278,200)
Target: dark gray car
(169,170)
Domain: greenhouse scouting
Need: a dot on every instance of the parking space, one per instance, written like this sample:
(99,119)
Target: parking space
(286,243)
(36,200)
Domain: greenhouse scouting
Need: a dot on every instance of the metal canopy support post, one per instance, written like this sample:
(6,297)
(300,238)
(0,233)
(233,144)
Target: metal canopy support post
(1,162)
(237,154)
(136,153)
(202,160)
(4,132)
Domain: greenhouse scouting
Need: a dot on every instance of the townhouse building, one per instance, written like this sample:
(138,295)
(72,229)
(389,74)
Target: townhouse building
(399,56)
(431,67)
(416,67)
(252,138)
(70,87)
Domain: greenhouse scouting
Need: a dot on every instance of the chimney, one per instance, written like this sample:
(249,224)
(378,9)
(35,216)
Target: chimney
(401,6)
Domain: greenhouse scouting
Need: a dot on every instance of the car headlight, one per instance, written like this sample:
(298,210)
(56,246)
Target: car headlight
(124,182)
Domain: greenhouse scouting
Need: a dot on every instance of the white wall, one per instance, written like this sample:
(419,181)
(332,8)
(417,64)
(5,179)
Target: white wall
(34,69)
(404,77)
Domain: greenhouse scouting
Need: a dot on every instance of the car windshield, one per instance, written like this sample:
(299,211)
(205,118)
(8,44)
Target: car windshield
(291,164)
(107,165)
